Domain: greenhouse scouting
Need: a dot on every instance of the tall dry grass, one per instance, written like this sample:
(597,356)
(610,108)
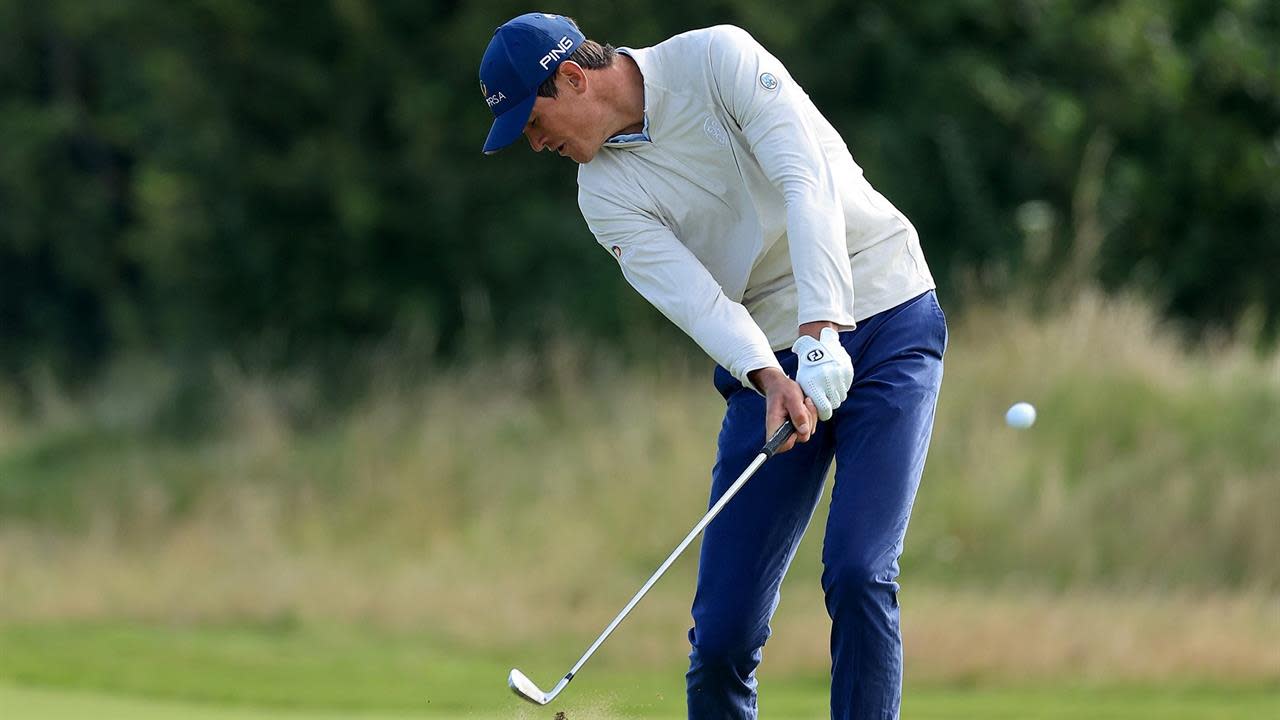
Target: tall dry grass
(1129,534)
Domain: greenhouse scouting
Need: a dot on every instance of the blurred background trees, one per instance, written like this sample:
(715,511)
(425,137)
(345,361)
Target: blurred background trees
(288,181)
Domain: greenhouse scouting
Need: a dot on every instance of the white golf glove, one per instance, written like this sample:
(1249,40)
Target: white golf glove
(826,371)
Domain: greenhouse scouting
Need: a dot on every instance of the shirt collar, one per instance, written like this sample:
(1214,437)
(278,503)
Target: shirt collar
(631,139)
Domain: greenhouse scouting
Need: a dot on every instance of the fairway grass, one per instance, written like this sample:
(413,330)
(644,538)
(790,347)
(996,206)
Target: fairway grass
(46,704)
(786,699)
(229,673)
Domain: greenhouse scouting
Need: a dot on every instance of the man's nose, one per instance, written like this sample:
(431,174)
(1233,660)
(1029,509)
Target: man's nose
(536,140)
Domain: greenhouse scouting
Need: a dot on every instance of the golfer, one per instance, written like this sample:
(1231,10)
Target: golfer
(735,208)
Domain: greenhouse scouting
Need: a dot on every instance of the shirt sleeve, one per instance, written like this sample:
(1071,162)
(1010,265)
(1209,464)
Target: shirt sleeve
(772,113)
(675,282)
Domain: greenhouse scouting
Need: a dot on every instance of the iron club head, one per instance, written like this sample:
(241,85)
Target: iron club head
(524,687)
(521,685)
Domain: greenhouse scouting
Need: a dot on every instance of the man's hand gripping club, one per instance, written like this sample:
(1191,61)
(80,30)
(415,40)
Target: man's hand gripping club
(784,399)
(822,383)
(825,372)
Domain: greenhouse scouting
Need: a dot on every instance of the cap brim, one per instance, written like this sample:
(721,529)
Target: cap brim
(508,126)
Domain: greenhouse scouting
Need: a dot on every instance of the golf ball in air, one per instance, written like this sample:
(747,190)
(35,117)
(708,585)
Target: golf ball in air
(1021,415)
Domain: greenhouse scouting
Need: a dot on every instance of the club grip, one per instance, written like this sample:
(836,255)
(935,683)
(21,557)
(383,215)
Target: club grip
(785,431)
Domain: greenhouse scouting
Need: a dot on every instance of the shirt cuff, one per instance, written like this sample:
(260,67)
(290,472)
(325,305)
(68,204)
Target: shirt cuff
(750,366)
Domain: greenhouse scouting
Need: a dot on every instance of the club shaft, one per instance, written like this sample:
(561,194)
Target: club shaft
(711,514)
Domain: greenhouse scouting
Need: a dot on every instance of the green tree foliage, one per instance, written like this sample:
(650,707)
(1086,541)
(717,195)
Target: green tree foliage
(281,179)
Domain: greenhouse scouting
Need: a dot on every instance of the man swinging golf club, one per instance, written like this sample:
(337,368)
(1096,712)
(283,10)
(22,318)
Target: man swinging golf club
(734,207)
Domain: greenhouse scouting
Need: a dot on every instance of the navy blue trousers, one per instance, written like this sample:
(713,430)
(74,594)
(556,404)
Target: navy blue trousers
(878,438)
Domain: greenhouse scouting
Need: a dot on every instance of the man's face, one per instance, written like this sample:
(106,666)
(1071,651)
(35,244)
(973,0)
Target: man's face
(568,124)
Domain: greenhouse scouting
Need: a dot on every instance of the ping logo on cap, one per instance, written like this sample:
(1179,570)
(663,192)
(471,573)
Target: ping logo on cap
(562,47)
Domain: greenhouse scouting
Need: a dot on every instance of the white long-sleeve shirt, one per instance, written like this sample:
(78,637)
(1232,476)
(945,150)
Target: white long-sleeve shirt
(740,213)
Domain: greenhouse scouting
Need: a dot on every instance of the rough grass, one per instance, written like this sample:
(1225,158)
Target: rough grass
(1129,535)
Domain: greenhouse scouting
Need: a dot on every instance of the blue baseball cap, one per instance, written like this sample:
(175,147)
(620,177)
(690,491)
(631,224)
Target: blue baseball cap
(523,53)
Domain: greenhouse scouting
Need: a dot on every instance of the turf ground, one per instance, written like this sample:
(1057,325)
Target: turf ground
(788,699)
(60,672)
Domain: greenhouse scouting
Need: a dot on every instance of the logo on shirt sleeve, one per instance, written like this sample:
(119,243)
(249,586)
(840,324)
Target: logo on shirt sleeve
(768,81)
(617,252)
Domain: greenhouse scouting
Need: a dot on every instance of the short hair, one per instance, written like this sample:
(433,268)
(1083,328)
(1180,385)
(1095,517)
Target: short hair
(590,54)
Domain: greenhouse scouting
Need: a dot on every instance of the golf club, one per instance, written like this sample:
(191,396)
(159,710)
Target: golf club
(521,685)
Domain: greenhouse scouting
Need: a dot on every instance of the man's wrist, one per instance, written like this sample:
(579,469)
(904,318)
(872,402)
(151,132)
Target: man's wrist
(763,378)
(814,329)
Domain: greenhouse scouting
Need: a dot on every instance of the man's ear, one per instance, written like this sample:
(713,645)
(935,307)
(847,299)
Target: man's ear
(572,75)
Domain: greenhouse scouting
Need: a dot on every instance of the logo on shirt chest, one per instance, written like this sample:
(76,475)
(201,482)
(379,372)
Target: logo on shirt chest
(715,131)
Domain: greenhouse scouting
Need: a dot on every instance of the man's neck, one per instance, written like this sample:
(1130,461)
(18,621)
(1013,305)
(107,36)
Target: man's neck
(626,95)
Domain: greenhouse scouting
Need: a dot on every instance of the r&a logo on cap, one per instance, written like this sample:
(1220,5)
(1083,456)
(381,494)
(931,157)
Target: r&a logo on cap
(491,100)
